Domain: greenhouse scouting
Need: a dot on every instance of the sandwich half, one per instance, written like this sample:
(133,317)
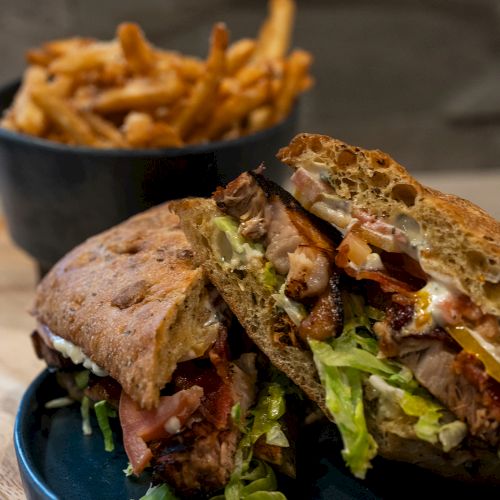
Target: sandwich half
(376,295)
(133,328)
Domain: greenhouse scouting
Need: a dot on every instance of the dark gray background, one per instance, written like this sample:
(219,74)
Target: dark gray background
(419,79)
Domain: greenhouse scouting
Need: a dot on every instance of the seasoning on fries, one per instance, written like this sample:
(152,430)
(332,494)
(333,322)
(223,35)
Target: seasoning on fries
(126,93)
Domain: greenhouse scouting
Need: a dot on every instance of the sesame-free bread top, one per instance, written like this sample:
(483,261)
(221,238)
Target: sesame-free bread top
(132,299)
(462,241)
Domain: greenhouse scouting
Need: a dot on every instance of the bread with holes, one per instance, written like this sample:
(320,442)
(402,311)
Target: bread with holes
(457,241)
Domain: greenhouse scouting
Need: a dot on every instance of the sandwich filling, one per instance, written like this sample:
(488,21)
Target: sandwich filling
(202,435)
(395,340)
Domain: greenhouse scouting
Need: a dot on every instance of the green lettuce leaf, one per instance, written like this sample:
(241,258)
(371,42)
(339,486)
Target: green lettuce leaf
(242,250)
(344,399)
(103,411)
(254,479)
(160,492)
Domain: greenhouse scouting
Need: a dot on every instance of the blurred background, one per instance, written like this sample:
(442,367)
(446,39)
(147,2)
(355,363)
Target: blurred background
(419,79)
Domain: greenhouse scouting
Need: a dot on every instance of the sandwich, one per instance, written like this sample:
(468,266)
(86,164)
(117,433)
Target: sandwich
(135,331)
(378,296)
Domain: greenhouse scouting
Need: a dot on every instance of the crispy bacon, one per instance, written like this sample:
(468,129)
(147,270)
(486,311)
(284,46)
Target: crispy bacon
(141,426)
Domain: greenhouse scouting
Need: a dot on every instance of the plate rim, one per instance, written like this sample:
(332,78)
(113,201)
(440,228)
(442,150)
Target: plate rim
(31,480)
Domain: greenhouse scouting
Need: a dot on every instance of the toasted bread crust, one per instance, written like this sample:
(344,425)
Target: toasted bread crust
(133,300)
(462,240)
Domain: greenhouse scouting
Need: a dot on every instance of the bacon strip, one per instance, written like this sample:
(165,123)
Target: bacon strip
(141,426)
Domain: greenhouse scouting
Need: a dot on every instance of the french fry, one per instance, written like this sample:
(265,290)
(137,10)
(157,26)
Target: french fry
(86,58)
(203,96)
(60,85)
(27,115)
(142,131)
(260,119)
(275,34)
(49,51)
(105,129)
(138,53)
(238,54)
(246,77)
(236,107)
(296,70)
(189,69)
(64,117)
(139,93)
(128,93)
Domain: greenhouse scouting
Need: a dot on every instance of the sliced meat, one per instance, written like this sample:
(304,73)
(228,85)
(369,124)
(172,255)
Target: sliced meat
(202,457)
(326,317)
(106,388)
(282,237)
(434,367)
(245,200)
(309,271)
(141,426)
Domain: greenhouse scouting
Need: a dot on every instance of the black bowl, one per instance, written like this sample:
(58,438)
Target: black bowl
(55,196)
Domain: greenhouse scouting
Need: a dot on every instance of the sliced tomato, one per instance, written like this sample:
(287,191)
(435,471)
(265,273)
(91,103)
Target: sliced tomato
(141,426)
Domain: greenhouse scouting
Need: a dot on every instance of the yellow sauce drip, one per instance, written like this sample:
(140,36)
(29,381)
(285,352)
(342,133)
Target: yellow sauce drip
(464,337)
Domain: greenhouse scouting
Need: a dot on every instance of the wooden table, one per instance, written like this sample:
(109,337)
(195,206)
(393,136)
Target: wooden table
(18,363)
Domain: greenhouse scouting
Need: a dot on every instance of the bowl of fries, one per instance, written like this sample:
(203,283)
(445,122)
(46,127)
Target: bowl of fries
(97,131)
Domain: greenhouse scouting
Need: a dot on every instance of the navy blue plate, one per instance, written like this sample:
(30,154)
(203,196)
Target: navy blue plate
(57,462)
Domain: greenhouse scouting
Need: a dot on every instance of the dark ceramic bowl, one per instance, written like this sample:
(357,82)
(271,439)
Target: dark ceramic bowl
(55,196)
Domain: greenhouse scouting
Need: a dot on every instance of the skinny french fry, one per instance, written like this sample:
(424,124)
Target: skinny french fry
(235,108)
(26,115)
(63,116)
(246,77)
(139,54)
(139,93)
(128,93)
(260,119)
(49,51)
(203,96)
(87,58)
(142,131)
(275,34)
(295,71)
(105,129)
(238,54)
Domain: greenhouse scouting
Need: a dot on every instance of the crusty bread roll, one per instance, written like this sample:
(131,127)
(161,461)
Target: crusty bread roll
(256,310)
(462,242)
(133,300)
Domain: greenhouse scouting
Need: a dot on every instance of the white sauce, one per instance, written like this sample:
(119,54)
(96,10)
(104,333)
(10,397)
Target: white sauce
(373,262)
(173,425)
(77,356)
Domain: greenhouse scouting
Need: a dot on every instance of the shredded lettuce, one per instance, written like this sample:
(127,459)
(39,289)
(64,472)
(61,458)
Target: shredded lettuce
(85,412)
(253,479)
(59,402)
(345,363)
(271,280)
(241,250)
(160,492)
(103,411)
(427,412)
(295,310)
(82,379)
(129,470)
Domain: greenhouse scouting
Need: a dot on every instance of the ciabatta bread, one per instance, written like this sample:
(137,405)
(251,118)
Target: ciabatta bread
(461,242)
